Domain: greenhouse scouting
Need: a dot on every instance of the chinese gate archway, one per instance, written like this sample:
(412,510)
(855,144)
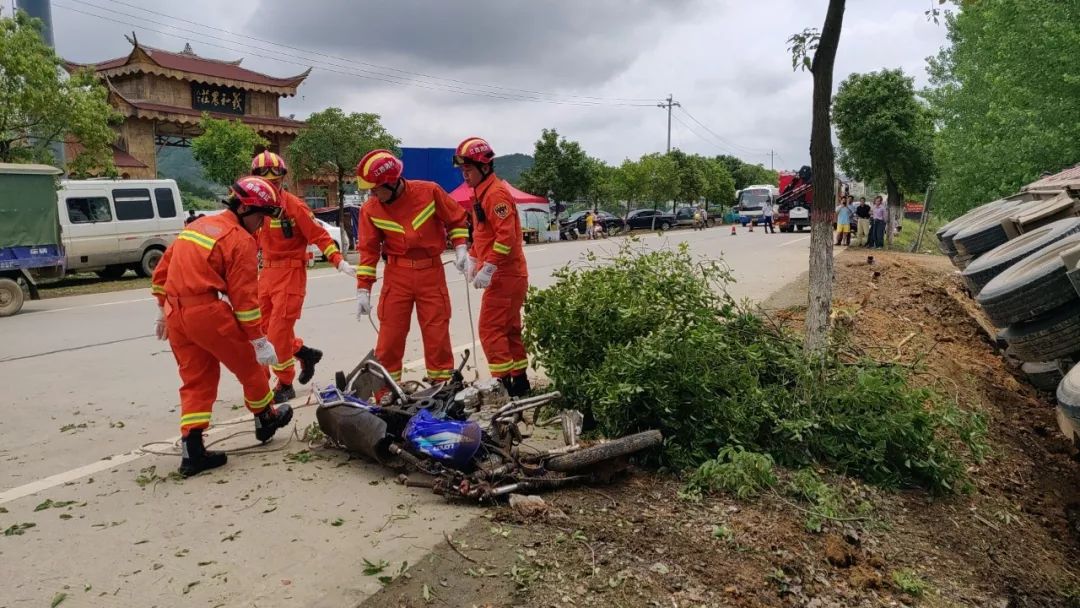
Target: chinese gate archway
(162,96)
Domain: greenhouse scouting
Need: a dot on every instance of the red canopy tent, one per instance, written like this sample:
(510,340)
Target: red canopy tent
(463,195)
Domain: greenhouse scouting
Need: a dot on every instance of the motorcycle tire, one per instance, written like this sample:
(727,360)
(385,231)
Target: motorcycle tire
(610,450)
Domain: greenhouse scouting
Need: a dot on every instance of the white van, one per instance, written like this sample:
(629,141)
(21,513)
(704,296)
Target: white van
(109,226)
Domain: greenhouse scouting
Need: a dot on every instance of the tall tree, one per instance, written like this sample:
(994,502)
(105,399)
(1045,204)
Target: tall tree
(225,149)
(817,52)
(1005,94)
(885,135)
(335,142)
(746,174)
(560,166)
(719,184)
(39,108)
(691,178)
(602,185)
(661,178)
(631,182)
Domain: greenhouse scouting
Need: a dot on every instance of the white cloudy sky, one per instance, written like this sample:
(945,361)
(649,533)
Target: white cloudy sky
(725,60)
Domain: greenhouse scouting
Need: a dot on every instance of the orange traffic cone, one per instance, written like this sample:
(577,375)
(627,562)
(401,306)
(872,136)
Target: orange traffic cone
(733,230)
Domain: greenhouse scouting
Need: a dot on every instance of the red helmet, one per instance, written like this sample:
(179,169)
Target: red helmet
(378,168)
(473,149)
(256,192)
(269,165)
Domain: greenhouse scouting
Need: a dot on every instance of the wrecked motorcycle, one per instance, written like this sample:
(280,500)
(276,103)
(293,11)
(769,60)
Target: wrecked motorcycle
(463,441)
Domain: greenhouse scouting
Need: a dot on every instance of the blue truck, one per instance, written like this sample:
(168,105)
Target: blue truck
(30,245)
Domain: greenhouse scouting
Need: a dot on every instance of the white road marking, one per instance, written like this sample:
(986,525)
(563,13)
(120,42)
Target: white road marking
(96,305)
(795,241)
(118,459)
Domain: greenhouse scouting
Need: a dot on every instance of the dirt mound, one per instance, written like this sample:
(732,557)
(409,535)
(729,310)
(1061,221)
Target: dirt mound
(1009,540)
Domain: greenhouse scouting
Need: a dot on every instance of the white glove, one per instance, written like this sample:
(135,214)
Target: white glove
(483,278)
(346,268)
(363,303)
(461,256)
(470,269)
(264,351)
(160,329)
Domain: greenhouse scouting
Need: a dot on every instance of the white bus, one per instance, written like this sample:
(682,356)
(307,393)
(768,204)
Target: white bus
(749,200)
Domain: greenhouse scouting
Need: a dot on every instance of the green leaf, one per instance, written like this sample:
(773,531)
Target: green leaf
(58,599)
(371,569)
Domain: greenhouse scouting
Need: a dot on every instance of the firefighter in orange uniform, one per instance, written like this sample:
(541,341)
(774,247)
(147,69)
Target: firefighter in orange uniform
(216,256)
(283,282)
(408,221)
(497,265)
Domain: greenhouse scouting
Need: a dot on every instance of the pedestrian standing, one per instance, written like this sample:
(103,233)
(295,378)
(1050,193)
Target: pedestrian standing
(497,265)
(862,218)
(843,223)
(590,222)
(767,215)
(854,220)
(214,257)
(877,223)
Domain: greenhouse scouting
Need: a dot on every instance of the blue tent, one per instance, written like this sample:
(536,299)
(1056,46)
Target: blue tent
(432,164)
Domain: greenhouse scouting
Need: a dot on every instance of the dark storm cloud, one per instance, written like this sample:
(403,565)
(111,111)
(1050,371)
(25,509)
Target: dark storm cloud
(543,43)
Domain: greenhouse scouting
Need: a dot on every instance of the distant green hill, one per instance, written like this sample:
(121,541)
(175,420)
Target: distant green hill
(511,166)
(178,163)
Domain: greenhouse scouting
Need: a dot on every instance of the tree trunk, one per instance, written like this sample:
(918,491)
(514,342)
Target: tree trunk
(894,207)
(822,161)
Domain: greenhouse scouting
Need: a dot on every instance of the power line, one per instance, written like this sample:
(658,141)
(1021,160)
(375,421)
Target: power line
(351,69)
(733,145)
(723,149)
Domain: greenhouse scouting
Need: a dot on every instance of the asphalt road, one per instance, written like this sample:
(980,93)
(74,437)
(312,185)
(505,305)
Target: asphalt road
(85,384)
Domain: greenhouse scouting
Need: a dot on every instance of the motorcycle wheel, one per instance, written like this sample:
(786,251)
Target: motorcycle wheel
(610,450)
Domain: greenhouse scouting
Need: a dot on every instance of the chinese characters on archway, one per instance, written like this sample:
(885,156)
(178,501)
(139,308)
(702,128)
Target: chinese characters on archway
(214,98)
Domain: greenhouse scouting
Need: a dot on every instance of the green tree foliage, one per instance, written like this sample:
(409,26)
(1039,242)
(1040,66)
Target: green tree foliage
(661,178)
(1006,96)
(746,174)
(39,108)
(631,182)
(335,142)
(691,177)
(674,353)
(560,166)
(719,183)
(225,149)
(603,188)
(885,133)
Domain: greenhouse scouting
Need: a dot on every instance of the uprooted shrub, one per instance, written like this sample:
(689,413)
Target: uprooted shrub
(644,342)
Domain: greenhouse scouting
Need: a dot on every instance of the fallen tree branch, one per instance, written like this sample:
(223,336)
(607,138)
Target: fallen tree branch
(450,542)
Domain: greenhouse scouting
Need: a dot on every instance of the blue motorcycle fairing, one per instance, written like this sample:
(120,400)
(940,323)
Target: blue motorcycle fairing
(452,441)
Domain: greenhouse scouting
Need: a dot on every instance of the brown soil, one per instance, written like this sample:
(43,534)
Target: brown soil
(1008,542)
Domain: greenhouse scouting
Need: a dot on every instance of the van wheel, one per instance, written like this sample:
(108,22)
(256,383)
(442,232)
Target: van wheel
(111,273)
(149,262)
(664,226)
(11,297)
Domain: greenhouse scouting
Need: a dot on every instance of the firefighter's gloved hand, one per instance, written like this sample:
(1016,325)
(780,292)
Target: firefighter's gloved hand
(470,269)
(461,257)
(363,303)
(160,329)
(346,268)
(264,351)
(483,278)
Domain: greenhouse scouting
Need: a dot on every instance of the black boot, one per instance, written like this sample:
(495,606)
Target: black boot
(308,358)
(268,421)
(519,386)
(196,458)
(507,384)
(283,393)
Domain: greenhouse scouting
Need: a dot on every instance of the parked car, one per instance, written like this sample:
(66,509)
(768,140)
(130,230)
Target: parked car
(612,224)
(332,230)
(110,226)
(649,219)
(30,241)
(684,216)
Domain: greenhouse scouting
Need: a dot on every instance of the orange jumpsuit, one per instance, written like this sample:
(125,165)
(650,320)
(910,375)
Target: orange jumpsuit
(497,240)
(412,232)
(283,281)
(213,256)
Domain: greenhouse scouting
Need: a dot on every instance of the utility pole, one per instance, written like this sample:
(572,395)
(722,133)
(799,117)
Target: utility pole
(669,103)
(772,154)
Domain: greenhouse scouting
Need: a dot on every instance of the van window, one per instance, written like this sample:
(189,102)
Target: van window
(166,206)
(133,204)
(87,210)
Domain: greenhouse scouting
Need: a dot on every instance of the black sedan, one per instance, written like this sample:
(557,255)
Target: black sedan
(612,224)
(649,219)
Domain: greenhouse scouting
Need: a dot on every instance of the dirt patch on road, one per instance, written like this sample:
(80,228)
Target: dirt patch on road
(1009,540)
